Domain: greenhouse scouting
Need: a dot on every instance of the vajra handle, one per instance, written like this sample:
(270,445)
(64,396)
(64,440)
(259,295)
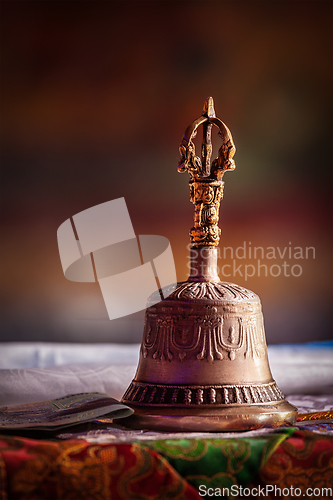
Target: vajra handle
(206,185)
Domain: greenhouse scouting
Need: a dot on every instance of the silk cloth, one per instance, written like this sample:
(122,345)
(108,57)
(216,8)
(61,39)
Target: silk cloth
(76,469)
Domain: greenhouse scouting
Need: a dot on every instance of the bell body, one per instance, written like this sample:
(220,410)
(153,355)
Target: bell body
(203,360)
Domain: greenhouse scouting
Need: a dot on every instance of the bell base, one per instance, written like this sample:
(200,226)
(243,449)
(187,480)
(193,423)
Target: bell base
(237,418)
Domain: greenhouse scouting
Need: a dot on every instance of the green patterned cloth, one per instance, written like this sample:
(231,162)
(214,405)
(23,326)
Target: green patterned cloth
(220,463)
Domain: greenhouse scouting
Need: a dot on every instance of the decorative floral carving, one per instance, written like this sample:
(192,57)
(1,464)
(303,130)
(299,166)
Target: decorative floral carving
(209,336)
(253,346)
(208,290)
(209,333)
(162,352)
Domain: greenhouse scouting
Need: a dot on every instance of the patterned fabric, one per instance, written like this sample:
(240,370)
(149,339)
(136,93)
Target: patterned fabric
(75,469)
(304,460)
(220,462)
(319,415)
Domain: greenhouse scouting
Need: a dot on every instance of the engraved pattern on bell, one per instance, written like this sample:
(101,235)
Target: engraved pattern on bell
(212,291)
(217,395)
(207,335)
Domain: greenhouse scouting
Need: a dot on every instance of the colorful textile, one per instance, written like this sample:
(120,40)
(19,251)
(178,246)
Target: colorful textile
(220,462)
(75,470)
(160,469)
(318,415)
(305,461)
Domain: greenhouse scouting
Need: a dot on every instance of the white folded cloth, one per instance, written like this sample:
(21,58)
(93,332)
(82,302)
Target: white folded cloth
(37,371)
(302,368)
(45,354)
(27,385)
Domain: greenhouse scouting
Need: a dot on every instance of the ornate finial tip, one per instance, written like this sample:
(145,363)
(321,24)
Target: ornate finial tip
(208,109)
(206,183)
(200,168)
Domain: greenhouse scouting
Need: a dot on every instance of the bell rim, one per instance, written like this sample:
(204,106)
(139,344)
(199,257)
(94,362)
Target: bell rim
(219,419)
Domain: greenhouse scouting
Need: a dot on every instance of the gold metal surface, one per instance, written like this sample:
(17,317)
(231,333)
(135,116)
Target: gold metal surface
(212,420)
(203,360)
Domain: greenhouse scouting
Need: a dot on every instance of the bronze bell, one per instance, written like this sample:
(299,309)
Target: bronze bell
(203,360)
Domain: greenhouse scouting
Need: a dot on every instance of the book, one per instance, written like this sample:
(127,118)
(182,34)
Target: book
(61,412)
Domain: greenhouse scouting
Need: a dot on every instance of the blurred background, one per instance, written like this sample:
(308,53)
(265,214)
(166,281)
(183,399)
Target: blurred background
(95,99)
